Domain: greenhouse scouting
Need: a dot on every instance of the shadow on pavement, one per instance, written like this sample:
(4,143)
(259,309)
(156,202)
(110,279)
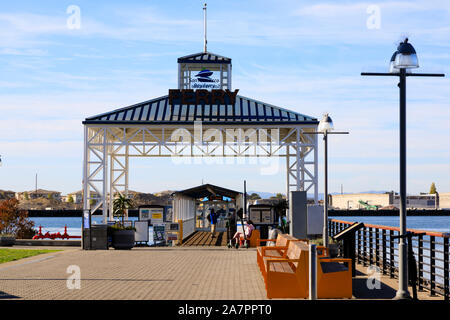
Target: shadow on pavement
(87,279)
(4,295)
(362,291)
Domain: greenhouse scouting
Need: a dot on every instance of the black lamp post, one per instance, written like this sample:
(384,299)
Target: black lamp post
(325,127)
(402,61)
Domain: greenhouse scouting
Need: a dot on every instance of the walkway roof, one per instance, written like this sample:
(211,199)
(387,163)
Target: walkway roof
(208,190)
(159,111)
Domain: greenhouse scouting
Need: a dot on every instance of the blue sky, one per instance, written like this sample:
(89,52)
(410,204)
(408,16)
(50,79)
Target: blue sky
(306,56)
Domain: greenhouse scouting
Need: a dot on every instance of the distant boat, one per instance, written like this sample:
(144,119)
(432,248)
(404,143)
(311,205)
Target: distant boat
(204,74)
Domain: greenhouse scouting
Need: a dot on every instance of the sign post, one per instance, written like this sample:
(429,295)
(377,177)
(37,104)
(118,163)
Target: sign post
(87,242)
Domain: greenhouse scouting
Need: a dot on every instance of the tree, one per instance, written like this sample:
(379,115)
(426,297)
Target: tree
(14,221)
(49,196)
(26,196)
(120,204)
(70,199)
(278,196)
(254,196)
(433,188)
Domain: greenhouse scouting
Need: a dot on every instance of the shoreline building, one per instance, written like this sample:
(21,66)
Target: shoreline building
(388,200)
(7,194)
(37,194)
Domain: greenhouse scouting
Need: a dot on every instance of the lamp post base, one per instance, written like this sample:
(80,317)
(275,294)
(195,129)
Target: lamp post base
(402,295)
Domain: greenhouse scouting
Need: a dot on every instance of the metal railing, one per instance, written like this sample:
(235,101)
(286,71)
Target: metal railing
(376,246)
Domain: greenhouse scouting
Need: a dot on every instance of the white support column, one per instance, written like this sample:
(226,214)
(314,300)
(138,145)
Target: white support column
(111,184)
(126,175)
(229,76)
(86,171)
(299,183)
(316,170)
(105,176)
(287,172)
(302,150)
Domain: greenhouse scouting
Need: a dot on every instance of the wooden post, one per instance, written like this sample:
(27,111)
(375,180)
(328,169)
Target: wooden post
(180,233)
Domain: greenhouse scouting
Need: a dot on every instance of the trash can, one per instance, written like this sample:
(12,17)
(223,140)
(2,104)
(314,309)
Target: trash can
(98,237)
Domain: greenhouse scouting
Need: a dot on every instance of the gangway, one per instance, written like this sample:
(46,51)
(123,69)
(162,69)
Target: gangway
(205,239)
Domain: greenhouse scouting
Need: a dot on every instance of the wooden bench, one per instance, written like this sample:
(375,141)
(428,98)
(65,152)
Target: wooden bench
(253,241)
(287,277)
(277,251)
(254,238)
(334,278)
(322,252)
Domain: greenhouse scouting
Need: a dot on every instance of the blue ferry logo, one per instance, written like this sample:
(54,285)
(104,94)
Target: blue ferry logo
(204,76)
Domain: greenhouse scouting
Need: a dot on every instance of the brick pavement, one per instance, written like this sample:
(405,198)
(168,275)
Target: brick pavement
(141,273)
(152,273)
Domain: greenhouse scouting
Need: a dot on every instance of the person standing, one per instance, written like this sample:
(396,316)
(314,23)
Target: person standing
(213,220)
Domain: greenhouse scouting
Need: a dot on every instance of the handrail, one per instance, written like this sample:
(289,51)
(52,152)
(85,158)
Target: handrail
(375,245)
(428,233)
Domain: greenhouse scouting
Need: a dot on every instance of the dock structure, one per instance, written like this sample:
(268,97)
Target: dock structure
(203,117)
(206,239)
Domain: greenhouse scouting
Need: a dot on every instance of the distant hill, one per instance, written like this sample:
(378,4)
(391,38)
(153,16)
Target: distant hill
(263,195)
(267,195)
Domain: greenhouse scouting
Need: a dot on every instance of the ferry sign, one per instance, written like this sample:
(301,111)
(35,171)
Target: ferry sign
(202,96)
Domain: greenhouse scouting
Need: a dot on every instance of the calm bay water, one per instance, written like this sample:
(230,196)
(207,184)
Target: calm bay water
(439,224)
(433,223)
(56,224)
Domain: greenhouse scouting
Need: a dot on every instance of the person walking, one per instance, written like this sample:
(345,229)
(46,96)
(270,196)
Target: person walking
(213,220)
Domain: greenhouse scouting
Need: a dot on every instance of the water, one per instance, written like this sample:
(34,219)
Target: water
(433,223)
(56,224)
(438,224)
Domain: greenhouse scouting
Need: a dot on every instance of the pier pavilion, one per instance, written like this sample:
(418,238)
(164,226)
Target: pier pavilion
(203,117)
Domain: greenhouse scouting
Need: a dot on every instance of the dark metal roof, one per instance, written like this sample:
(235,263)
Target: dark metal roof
(208,190)
(159,111)
(204,57)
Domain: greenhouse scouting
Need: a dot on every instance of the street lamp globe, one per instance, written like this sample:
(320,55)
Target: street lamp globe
(406,56)
(392,68)
(326,124)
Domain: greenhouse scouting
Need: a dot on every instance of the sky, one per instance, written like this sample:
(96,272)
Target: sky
(58,68)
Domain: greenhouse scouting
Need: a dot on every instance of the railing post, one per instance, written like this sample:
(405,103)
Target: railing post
(391,254)
(432,266)
(180,233)
(383,240)
(364,233)
(446,270)
(312,272)
(330,228)
(359,246)
(420,280)
(370,246)
(377,247)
